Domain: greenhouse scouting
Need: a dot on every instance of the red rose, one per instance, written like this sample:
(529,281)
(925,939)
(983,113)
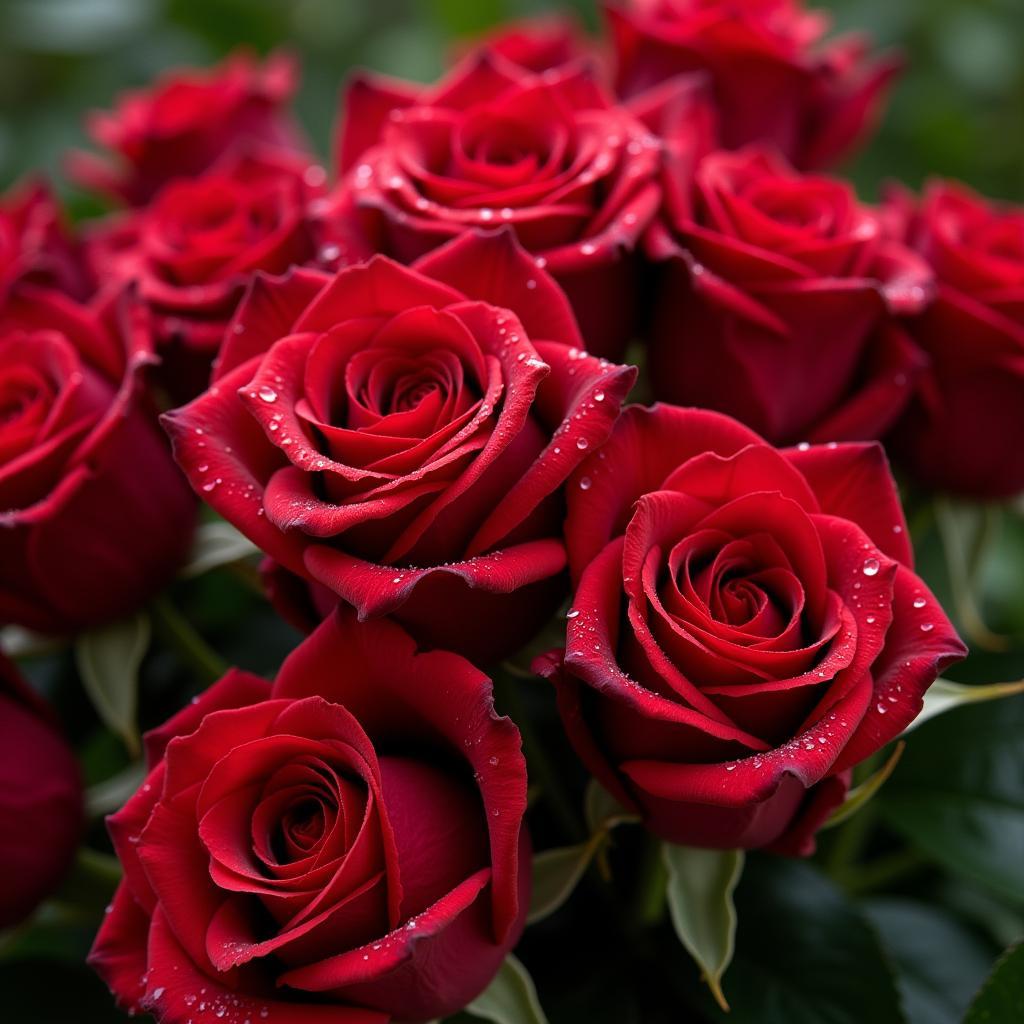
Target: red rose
(40,800)
(94,515)
(552,156)
(401,435)
(776,303)
(185,122)
(344,847)
(192,251)
(773,80)
(963,427)
(35,244)
(538,44)
(746,626)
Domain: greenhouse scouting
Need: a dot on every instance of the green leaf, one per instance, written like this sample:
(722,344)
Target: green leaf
(860,795)
(804,953)
(556,873)
(1002,996)
(700,888)
(940,962)
(603,811)
(111,794)
(108,661)
(511,998)
(943,696)
(216,544)
(958,795)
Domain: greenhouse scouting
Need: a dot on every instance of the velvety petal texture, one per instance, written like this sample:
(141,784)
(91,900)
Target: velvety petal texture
(400,436)
(961,429)
(746,626)
(774,78)
(780,301)
(345,845)
(94,515)
(185,122)
(193,249)
(550,154)
(40,799)
(36,244)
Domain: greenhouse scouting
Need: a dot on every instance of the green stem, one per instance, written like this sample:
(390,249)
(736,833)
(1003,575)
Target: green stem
(542,771)
(180,635)
(884,871)
(850,841)
(652,880)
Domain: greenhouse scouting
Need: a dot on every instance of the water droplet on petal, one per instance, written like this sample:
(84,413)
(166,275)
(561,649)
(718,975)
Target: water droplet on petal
(871,567)
(267,394)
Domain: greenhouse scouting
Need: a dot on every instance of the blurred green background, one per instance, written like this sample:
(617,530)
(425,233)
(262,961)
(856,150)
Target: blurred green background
(959,110)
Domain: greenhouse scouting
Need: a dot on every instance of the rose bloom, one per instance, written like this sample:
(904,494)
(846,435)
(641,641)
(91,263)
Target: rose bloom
(544,43)
(776,304)
(186,121)
(400,436)
(746,626)
(36,245)
(553,156)
(962,430)
(40,799)
(193,250)
(94,515)
(343,847)
(773,79)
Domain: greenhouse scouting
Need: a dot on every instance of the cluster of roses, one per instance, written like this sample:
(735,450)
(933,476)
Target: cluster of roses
(405,387)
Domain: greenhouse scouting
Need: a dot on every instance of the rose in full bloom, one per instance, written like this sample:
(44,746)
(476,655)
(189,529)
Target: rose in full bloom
(191,252)
(187,121)
(746,626)
(777,302)
(963,427)
(773,79)
(400,436)
(553,156)
(94,515)
(40,799)
(36,245)
(343,847)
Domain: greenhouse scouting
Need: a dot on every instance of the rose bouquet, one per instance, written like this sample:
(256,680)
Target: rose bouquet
(474,577)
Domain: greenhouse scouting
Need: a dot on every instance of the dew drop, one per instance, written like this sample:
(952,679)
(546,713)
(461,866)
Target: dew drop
(585,483)
(598,396)
(267,394)
(582,443)
(927,627)
(881,708)
(919,602)
(871,567)
(572,613)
